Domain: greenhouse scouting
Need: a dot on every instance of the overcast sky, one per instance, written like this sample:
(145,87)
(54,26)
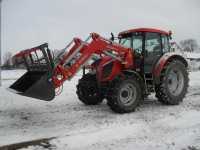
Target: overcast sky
(27,23)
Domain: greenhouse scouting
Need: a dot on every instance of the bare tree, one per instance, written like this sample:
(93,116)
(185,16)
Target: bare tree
(7,58)
(189,45)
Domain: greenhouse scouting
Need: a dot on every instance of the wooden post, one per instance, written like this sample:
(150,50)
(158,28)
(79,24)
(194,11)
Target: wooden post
(0,42)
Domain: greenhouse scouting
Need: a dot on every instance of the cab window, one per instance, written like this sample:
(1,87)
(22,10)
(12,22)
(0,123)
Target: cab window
(153,43)
(165,43)
(137,43)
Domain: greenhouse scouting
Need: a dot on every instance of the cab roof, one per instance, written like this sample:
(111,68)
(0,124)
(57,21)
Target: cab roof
(143,30)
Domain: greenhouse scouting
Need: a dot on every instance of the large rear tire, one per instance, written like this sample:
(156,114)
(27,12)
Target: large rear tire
(124,94)
(174,83)
(88,91)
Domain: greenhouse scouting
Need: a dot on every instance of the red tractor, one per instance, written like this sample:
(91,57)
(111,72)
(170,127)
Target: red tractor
(123,73)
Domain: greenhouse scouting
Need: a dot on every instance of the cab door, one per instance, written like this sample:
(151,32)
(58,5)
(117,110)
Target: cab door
(152,50)
(137,46)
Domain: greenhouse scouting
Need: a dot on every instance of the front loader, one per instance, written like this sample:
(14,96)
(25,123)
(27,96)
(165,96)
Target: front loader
(123,73)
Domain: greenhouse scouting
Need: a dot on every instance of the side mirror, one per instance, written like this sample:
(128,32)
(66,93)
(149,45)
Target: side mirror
(170,35)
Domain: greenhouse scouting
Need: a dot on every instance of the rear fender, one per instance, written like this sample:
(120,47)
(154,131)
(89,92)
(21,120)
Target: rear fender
(163,61)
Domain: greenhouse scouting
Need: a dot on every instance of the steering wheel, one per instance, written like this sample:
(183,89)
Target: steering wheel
(138,50)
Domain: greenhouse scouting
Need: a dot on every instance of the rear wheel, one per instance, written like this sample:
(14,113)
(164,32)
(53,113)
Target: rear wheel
(174,83)
(88,91)
(124,94)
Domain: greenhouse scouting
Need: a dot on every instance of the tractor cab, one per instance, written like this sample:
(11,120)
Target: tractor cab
(148,46)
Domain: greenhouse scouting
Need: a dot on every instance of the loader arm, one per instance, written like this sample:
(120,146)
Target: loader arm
(46,73)
(71,62)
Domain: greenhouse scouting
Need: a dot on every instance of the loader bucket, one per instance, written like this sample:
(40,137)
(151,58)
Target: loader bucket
(34,84)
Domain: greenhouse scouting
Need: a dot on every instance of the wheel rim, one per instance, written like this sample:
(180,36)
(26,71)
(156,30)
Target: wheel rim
(175,82)
(128,94)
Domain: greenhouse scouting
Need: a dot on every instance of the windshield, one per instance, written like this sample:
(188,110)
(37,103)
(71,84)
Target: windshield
(134,42)
(125,42)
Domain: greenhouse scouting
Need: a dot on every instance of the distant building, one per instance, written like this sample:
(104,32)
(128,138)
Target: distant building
(193,60)
(175,47)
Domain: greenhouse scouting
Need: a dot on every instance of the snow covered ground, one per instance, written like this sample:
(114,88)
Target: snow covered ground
(76,126)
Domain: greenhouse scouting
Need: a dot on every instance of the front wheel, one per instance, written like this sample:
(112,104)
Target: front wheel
(124,95)
(88,91)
